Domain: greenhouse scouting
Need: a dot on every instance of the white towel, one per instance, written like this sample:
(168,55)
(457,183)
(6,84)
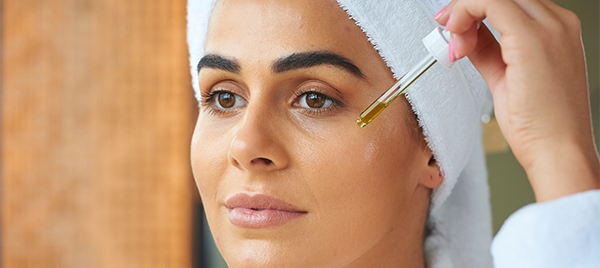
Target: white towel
(449,104)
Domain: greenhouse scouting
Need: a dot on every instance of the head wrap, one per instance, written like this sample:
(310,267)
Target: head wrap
(448,103)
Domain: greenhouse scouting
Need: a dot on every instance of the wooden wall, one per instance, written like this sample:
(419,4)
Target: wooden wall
(97,113)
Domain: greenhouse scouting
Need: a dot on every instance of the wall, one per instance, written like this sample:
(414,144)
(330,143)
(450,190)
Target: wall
(97,113)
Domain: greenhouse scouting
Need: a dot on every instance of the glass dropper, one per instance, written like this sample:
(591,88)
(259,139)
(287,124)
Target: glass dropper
(437,45)
(377,106)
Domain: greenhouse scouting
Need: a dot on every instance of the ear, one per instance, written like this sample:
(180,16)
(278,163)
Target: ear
(431,175)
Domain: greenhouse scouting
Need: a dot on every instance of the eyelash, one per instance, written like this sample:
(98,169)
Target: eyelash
(208,99)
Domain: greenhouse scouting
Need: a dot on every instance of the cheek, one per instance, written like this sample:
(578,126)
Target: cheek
(209,162)
(361,182)
(369,172)
(209,151)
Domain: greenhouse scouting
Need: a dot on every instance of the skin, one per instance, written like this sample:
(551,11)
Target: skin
(538,80)
(366,191)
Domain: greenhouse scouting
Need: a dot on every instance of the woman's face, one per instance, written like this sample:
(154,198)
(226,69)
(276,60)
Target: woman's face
(286,177)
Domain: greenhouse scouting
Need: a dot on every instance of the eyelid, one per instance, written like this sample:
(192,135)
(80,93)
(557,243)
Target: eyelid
(209,104)
(324,88)
(229,86)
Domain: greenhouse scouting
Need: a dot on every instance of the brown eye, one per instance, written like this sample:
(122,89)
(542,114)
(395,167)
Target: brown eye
(228,100)
(315,100)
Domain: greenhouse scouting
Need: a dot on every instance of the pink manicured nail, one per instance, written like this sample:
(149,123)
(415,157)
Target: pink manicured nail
(448,23)
(456,56)
(439,14)
(451,50)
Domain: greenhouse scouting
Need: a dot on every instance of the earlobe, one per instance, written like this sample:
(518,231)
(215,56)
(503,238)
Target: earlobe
(432,176)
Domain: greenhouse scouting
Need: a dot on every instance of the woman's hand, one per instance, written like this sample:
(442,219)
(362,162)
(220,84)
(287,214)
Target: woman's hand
(537,76)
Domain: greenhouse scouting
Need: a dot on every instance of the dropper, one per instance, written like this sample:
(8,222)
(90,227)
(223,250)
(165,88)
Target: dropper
(436,43)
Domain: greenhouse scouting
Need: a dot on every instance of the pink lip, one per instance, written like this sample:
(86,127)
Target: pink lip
(260,211)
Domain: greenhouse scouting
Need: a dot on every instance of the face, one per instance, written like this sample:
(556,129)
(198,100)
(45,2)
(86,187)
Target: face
(286,177)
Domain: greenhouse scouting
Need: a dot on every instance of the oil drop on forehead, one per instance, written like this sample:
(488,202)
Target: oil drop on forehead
(437,44)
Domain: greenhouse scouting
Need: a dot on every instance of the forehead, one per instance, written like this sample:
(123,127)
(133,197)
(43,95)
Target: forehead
(267,29)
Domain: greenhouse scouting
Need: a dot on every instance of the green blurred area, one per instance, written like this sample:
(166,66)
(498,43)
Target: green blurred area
(509,187)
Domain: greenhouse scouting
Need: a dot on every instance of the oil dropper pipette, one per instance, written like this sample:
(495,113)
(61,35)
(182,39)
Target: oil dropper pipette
(436,43)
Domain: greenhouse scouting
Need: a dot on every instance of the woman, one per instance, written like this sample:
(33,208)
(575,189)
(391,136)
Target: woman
(288,180)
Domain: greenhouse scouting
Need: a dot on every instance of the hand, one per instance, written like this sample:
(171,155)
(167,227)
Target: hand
(537,76)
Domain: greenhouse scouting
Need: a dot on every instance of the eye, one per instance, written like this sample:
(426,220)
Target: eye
(315,100)
(227,100)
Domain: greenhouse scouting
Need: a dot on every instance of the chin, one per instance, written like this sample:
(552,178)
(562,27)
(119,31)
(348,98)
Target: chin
(267,254)
(296,249)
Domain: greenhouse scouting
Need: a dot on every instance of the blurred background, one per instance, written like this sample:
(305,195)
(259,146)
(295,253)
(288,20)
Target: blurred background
(97,113)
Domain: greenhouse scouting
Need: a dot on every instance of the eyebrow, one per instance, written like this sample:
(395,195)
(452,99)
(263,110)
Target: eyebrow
(219,62)
(292,62)
(309,59)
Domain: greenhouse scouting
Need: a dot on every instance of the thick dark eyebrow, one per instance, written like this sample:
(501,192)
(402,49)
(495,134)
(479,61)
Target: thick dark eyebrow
(219,62)
(308,59)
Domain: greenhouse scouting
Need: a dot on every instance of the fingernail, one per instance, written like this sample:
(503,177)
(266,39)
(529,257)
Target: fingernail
(448,23)
(440,13)
(451,50)
(456,56)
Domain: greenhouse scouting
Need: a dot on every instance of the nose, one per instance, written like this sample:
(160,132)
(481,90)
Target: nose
(258,145)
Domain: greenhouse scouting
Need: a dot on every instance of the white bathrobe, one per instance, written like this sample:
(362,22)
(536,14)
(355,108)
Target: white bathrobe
(554,234)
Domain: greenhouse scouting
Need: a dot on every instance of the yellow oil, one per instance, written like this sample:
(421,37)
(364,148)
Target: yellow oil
(378,106)
(371,112)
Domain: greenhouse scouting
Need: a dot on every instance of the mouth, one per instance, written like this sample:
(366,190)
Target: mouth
(260,211)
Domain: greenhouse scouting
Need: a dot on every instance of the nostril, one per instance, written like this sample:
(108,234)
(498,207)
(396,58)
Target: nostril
(262,160)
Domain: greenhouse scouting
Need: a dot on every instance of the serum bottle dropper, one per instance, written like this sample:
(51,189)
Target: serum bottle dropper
(436,43)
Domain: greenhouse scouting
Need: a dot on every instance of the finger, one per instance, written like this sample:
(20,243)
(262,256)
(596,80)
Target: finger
(507,17)
(536,9)
(560,18)
(553,7)
(487,58)
(548,13)
(504,15)
(444,17)
(465,42)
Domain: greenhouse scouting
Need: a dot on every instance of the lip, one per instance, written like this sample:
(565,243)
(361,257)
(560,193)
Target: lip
(260,210)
